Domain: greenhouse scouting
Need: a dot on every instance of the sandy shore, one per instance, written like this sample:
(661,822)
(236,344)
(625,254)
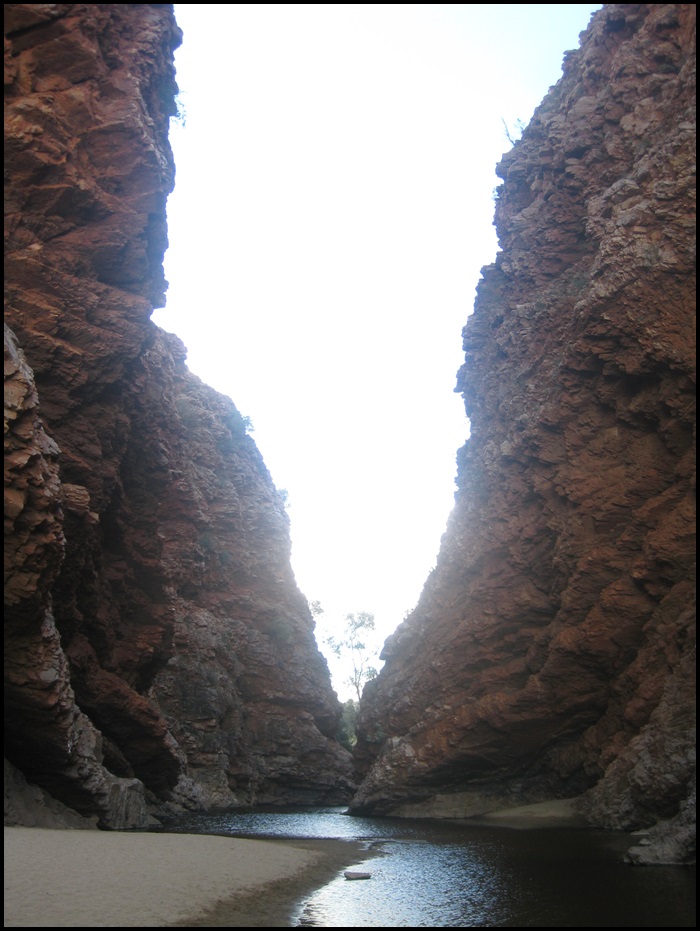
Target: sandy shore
(556,813)
(100,879)
(96,879)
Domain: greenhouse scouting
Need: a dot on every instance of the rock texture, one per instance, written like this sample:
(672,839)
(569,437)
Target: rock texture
(552,651)
(158,651)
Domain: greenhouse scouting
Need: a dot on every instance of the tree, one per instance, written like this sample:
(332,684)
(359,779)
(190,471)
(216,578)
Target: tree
(513,134)
(346,728)
(352,645)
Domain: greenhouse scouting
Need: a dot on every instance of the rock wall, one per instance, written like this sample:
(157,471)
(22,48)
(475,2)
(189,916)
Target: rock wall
(158,652)
(552,651)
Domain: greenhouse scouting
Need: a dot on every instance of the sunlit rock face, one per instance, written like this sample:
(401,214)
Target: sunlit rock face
(552,651)
(158,651)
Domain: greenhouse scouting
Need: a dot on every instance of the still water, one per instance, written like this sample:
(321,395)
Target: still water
(443,875)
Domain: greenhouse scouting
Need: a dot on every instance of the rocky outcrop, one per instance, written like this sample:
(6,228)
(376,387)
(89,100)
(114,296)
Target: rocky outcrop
(30,806)
(158,651)
(552,651)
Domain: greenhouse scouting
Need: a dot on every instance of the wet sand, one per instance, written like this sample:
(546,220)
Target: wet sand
(99,879)
(281,902)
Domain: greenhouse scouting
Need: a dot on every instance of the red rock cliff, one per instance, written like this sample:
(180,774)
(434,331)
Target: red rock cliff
(552,651)
(158,652)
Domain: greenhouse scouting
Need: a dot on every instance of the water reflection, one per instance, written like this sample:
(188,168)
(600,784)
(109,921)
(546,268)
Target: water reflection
(441,874)
(333,822)
(501,878)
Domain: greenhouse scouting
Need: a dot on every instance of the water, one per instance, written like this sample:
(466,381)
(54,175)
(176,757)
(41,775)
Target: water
(441,874)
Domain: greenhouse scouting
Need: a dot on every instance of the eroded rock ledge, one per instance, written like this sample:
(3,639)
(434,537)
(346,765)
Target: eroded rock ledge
(158,651)
(552,651)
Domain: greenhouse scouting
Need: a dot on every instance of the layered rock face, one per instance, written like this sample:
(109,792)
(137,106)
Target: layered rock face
(158,651)
(552,651)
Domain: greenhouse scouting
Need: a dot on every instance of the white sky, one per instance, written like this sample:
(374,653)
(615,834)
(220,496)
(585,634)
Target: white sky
(332,211)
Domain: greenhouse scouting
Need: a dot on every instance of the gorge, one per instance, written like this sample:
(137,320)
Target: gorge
(159,656)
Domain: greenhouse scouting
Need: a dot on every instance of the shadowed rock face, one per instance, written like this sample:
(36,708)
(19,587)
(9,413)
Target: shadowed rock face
(551,653)
(158,651)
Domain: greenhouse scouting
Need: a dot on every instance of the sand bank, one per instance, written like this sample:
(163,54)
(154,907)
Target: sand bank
(97,879)
(555,813)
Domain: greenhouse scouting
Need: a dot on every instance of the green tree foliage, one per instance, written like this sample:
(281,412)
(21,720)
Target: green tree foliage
(351,651)
(315,608)
(180,115)
(346,728)
(352,645)
(513,133)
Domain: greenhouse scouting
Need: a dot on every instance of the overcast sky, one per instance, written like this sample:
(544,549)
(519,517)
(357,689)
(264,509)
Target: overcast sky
(332,211)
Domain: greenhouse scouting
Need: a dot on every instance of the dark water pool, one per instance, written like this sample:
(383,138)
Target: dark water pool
(445,875)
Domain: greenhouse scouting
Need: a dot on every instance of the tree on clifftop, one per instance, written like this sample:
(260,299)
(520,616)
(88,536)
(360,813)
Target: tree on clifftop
(351,648)
(352,645)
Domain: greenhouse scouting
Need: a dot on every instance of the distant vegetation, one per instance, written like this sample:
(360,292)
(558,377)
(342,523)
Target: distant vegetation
(350,646)
(346,728)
